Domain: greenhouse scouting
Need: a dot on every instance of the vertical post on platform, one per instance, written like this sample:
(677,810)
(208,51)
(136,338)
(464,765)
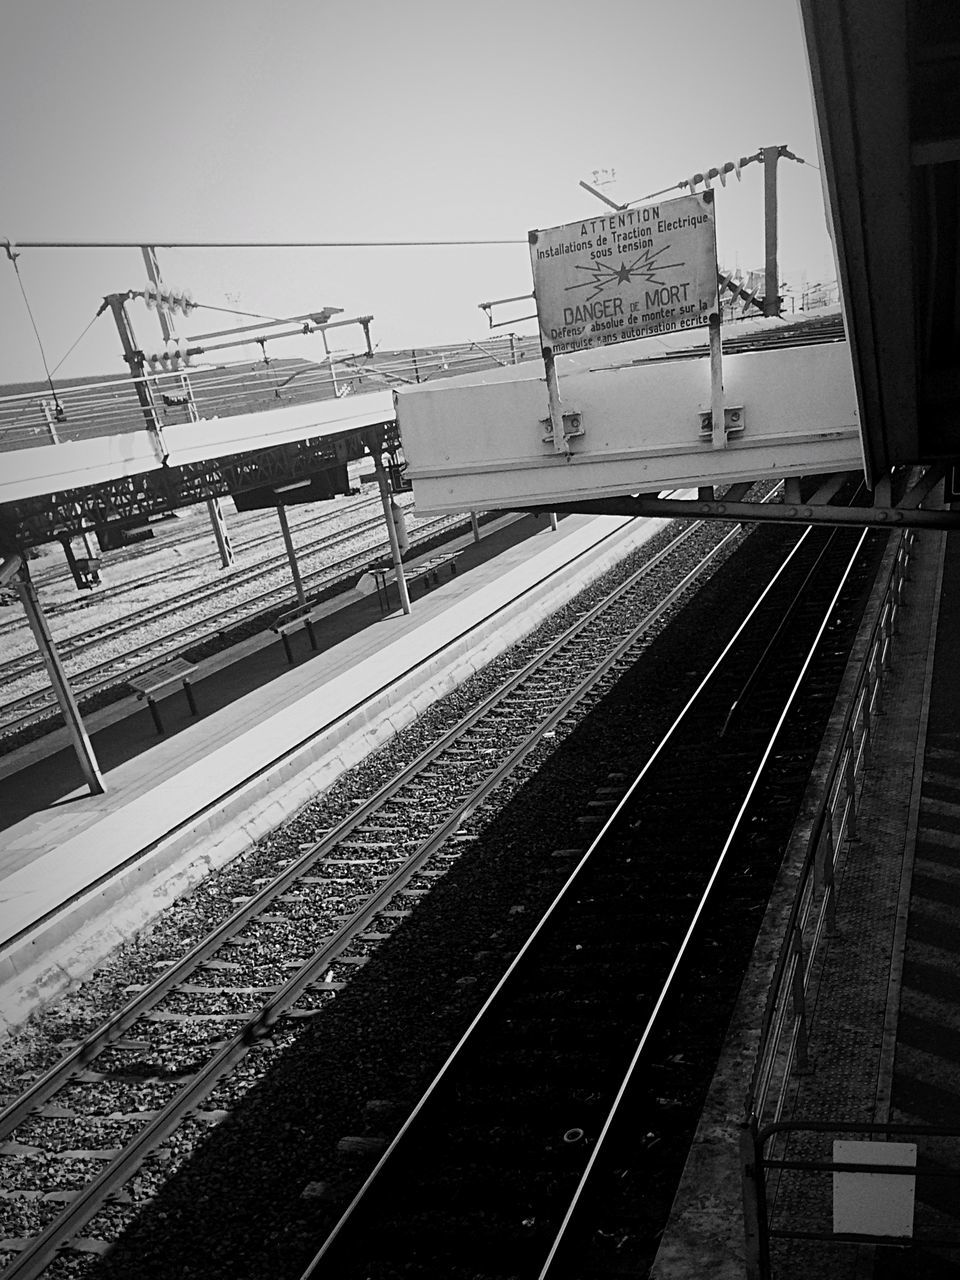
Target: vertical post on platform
(513,349)
(61,685)
(719,428)
(220,532)
(87,546)
(475,526)
(560,442)
(134,359)
(553,521)
(333,371)
(384,487)
(291,554)
(771,288)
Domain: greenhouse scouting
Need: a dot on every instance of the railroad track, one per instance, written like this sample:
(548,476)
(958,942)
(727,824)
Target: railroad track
(257,529)
(40,703)
(540,1146)
(113,1106)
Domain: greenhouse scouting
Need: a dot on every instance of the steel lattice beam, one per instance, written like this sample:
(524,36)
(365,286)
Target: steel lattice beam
(129,499)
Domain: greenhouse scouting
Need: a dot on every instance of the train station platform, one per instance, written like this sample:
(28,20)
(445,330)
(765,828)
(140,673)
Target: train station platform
(80,873)
(882,1009)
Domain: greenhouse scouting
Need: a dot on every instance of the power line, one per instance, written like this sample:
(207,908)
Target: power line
(26,301)
(96,317)
(251,244)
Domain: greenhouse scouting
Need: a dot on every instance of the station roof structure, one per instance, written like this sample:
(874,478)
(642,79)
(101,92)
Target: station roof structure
(886,84)
(238,428)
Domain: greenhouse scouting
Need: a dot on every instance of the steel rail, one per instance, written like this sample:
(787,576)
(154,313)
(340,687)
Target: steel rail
(36,1256)
(60,573)
(496,995)
(701,906)
(197,596)
(114,1027)
(82,640)
(47,701)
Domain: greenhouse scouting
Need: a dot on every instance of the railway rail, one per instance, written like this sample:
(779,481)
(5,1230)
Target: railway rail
(160,1074)
(256,529)
(261,970)
(568,1089)
(38,704)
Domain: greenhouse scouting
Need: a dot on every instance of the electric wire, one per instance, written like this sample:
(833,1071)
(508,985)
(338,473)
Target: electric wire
(77,343)
(256,244)
(43,356)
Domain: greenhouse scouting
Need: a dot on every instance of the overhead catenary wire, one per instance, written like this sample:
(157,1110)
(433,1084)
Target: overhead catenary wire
(159,243)
(12,255)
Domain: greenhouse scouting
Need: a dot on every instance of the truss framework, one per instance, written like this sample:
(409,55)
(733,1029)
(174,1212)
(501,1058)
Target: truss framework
(132,499)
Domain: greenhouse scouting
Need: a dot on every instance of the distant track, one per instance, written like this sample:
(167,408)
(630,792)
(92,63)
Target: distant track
(109,590)
(39,704)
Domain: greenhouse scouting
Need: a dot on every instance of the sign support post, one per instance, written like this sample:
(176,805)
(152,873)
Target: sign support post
(79,737)
(560,442)
(719,426)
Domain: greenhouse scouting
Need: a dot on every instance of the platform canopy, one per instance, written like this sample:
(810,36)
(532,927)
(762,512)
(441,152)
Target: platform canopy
(110,480)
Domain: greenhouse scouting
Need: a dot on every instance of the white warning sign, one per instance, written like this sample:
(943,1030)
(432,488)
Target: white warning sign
(626,274)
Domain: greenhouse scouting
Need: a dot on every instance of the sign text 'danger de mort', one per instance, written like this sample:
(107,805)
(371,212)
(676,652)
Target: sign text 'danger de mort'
(626,274)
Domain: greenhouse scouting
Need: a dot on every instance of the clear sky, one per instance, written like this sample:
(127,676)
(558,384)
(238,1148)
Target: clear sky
(385,120)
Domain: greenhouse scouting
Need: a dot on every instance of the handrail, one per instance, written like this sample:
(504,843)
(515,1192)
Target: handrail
(839,796)
(813,911)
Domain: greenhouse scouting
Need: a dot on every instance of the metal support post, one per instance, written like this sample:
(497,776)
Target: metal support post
(771,297)
(333,371)
(385,499)
(829,863)
(51,420)
(291,555)
(134,358)
(222,537)
(799,1004)
(88,548)
(220,532)
(61,685)
(560,442)
(757,1259)
(553,522)
(850,782)
(475,526)
(719,427)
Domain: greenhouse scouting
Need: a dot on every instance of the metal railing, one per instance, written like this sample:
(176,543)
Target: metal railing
(783,1050)
(110,406)
(936,1146)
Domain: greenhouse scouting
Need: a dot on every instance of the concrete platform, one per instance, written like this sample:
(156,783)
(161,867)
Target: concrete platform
(79,873)
(884,1007)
